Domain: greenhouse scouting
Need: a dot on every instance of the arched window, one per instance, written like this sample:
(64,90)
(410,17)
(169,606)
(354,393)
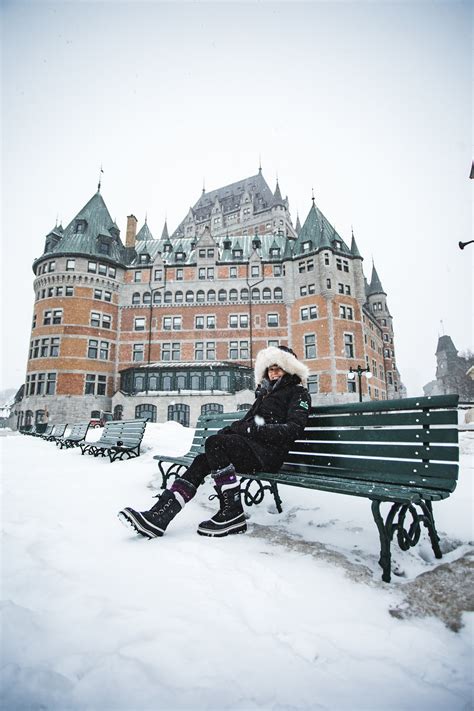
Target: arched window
(179,413)
(211,295)
(168,297)
(136,298)
(118,412)
(211,407)
(145,412)
(255,294)
(166,381)
(139,382)
(189,297)
(195,381)
(39,417)
(181,381)
(209,381)
(224,382)
(153,382)
(267,294)
(179,297)
(147,297)
(28,418)
(233,295)
(222,296)
(157,297)
(200,296)
(244,294)
(278,294)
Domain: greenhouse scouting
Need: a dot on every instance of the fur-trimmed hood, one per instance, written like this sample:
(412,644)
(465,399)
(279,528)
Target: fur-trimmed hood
(275,356)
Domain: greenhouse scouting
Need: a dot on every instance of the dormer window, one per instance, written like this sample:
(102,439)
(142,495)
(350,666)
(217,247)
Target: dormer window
(104,246)
(80,226)
(144,258)
(338,244)
(237,253)
(168,248)
(307,246)
(180,256)
(275,252)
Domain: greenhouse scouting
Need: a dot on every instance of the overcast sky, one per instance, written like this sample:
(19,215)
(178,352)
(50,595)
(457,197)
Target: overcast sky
(369,103)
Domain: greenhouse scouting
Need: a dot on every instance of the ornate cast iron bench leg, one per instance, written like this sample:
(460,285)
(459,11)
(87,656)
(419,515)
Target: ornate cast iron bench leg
(256,496)
(173,470)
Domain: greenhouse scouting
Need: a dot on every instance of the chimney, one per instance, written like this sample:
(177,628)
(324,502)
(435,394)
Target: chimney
(131,231)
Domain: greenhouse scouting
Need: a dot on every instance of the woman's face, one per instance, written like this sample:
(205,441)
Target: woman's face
(275,372)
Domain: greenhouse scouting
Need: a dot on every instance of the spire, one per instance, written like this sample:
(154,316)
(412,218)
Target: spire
(277,193)
(375,283)
(100,179)
(164,234)
(298,224)
(260,164)
(354,248)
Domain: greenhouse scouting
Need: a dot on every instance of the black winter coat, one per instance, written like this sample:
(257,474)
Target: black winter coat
(281,412)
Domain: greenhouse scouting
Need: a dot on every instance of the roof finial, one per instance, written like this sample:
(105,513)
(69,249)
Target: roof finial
(100,179)
(442,327)
(260,163)
(312,195)
(57,217)
(203,186)
(146,217)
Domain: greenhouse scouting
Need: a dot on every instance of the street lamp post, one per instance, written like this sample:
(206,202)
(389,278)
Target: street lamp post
(358,371)
(152,294)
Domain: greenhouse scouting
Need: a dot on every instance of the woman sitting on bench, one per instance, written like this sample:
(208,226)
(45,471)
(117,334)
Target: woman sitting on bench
(257,442)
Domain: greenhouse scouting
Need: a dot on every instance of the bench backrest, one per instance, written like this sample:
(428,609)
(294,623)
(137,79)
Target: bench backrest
(130,432)
(58,430)
(48,430)
(210,424)
(411,441)
(78,431)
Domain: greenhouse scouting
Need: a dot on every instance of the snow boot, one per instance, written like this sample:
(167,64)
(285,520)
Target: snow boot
(153,523)
(230,518)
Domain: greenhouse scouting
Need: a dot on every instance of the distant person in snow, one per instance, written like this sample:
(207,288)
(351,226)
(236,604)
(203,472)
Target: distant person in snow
(257,442)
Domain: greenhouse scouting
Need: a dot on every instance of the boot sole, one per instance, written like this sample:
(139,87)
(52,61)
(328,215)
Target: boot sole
(128,520)
(239,528)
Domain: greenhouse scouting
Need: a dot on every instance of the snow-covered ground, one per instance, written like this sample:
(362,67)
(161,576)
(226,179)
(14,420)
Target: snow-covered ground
(292,615)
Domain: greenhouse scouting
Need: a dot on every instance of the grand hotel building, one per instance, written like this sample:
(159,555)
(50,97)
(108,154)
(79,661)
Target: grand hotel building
(169,327)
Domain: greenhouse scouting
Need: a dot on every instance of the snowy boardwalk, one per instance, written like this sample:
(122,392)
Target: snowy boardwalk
(292,615)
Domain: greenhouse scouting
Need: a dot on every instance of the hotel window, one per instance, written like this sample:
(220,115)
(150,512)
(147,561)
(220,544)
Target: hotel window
(54,347)
(106,321)
(310,346)
(351,386)
(303,290)
(199,350)
(311,289)
(33,325)
(147,297)
(138,351)
(211,295)
(104,350)
(199,322)
(345,265)
(267,294)
(59,291)
(210,252)
(50,383)
(200,296)
(92,267)
(233,295)
(51,266)
(168,297)
(137,277)
(159,274)
(40,383)
(211,321)
(222,295)
(93,348)
(347,289)
(210,350)
(69,291)
(179,274)
(70,265)
(57,316)
(326,258)
(202,272)
(233,272)
(272,320)
(328,283)
(95,319)
(238,350)
(139,323)
(112,272)
(313,384)
(178,297)
(202,253)
(310,312)
(97,293)
(276,270)
(136,298)
(346,312)
(210,273)
(255,271)
(349,345)
(340,288)
(189,297)
(50,291)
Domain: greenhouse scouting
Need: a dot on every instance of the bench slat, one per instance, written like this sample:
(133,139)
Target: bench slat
(383,451)
(383,435)
(410,403)
(441,417)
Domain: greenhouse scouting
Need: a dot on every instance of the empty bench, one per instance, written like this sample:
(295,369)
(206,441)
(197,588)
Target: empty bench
(400,452)
(120,439)
(56,433)
(75,437)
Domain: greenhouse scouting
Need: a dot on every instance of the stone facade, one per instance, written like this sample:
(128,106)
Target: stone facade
(234,277)
(452,372)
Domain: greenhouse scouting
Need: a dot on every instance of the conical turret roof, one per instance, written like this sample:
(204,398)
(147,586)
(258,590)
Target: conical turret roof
(375,284)
(144,233)
(164,234)
(277,195)
(81,236)
(354,248)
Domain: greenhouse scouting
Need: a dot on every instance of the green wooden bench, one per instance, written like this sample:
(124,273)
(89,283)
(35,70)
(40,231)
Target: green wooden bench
(48,430)
(26,429)
(75,437)
(400,452)
(56,433)
(121,439)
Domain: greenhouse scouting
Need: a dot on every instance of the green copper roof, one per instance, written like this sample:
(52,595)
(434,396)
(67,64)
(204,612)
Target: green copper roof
(354,248)
(83,234)
(144,233)
(375,284)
